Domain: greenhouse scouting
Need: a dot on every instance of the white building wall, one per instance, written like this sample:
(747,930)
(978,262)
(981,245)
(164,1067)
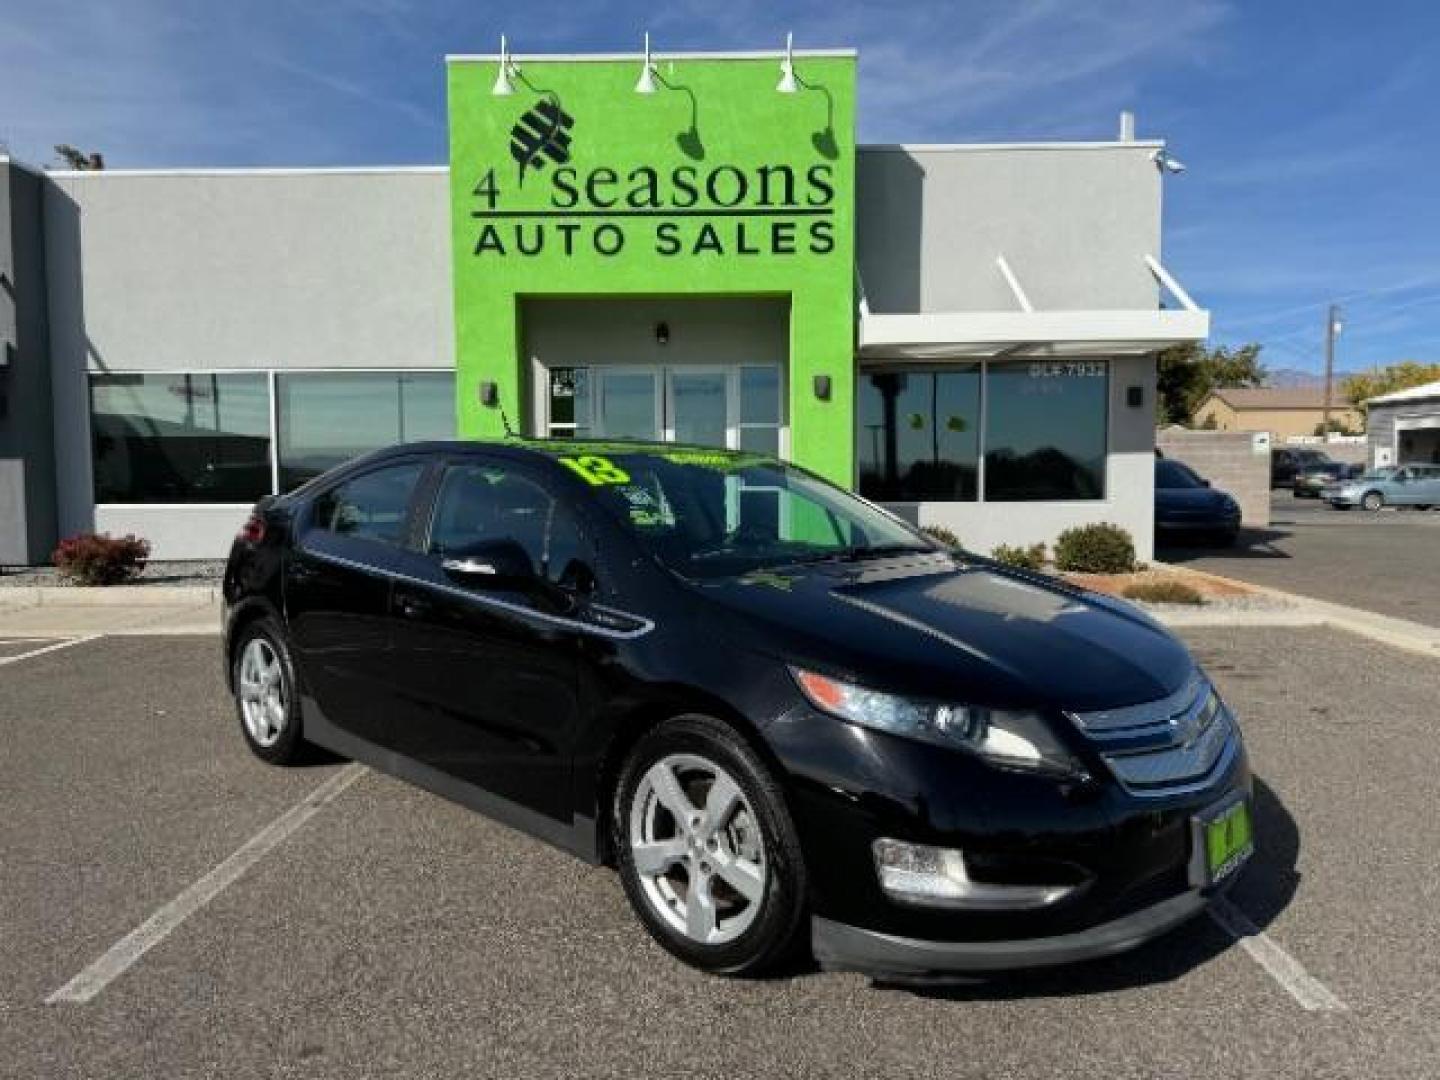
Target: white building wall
(196,271)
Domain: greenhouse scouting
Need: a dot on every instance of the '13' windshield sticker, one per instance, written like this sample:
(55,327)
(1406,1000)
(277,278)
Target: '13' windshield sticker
(596,470)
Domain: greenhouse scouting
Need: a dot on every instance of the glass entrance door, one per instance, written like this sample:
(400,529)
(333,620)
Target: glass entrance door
(739,406)
(628,403)
(698,406)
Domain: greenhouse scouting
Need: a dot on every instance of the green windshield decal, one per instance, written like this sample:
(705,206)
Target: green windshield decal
(722,462)
(596,470)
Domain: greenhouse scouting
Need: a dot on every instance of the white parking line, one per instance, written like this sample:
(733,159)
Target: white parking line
(1311,994)
(47,649)
(84,986)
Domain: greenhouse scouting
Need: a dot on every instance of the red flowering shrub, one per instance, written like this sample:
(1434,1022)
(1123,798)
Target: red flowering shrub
(101,559)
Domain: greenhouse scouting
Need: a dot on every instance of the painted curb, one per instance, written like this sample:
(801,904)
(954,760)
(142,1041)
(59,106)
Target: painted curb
(1386,629)
(23,596)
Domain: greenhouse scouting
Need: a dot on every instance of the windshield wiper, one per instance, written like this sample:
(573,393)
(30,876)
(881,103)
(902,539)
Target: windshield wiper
(857,552)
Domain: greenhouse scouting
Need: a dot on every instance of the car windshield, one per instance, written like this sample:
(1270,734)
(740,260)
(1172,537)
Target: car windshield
(1384,473)
(1171,474)
(711,514)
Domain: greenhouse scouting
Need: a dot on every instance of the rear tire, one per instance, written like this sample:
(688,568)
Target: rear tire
(262,678)
(706,849)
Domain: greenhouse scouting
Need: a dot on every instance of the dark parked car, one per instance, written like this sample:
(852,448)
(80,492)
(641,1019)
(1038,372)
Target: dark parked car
(1285,462)
(787,717)
(1311,480)
(1187,508)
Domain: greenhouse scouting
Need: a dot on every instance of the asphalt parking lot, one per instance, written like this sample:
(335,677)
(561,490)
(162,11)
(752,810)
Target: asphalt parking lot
(1385,562)
(392,932)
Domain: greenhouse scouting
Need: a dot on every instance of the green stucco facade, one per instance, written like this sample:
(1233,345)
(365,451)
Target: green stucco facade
(714,185)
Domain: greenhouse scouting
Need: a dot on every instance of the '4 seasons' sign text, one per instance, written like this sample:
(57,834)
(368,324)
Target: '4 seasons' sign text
(675,211)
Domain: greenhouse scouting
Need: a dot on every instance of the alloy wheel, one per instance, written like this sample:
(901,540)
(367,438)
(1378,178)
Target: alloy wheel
(264,698)
(697,849)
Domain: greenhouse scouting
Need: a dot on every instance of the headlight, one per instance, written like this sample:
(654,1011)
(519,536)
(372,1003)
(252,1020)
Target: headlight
(1012,739)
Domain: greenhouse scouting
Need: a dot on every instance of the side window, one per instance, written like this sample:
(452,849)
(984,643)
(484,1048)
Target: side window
(371,506)
(484,503)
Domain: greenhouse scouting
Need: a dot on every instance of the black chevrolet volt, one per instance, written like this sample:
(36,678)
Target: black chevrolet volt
(789,719)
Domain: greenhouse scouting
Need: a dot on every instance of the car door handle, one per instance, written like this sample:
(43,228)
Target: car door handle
(413,607)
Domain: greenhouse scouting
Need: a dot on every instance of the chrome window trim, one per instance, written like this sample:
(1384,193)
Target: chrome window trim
(644,627)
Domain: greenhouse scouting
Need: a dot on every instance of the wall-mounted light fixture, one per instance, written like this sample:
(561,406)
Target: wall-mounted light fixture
(822,387)
(788,83)
(1166,163)
(489,394)
(1135,396)
(662,333)
(646,83)
(508,70)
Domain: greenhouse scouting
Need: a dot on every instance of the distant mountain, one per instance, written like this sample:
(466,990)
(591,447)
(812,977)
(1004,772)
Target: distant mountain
(1290,378)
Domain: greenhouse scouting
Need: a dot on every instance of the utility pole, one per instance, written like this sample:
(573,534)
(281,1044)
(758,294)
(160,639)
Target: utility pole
(1332,328)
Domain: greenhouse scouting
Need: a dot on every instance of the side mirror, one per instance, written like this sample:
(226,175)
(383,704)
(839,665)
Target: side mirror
(1204,482)
(493,564)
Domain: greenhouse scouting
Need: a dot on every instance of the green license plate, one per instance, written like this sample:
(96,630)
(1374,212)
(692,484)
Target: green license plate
(1228,841)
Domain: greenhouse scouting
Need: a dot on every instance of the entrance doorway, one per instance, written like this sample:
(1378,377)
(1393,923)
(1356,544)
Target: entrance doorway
(737,406)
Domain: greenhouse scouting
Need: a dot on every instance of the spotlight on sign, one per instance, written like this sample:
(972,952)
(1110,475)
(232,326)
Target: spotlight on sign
(503,86)
(646,83)
(788,83)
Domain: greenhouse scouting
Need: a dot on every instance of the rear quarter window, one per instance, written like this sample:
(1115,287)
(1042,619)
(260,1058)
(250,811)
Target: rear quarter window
(372,506)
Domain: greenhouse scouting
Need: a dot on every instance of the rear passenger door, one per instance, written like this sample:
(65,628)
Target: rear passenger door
(337,597)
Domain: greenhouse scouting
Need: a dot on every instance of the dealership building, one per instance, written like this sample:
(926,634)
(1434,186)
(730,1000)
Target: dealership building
(688,247)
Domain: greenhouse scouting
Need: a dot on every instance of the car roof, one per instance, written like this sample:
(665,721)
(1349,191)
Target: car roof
(553,448)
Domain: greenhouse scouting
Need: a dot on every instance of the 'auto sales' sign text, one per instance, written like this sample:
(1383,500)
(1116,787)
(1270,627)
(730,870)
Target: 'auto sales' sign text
(683,210)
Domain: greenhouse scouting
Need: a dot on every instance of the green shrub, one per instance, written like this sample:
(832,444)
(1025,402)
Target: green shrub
(1025,558)
(942,535)
(1162,591)
(101,559)
(1095,549)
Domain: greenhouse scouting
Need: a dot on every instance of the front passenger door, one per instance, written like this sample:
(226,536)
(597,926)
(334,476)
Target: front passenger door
(490,666)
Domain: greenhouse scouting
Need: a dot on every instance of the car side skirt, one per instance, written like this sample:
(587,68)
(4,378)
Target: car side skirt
(580,837)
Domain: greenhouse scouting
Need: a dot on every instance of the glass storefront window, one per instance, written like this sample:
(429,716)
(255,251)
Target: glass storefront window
(917,431)
(328,418)
(1045,428)
(918,434)
(182,438)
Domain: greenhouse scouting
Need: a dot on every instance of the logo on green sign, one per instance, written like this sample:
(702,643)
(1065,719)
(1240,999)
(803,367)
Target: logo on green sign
(681,211)
(541,132)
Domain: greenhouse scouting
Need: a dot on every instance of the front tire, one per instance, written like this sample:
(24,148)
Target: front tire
(707,852)
(1372,501)
(263,682)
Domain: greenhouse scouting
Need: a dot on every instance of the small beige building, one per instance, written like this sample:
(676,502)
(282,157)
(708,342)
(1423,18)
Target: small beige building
(1282,411)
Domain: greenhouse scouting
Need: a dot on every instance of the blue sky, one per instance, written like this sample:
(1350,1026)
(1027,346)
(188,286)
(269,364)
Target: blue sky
(1310,130)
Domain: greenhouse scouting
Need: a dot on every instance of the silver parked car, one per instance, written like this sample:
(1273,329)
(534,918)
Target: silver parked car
(1390,485)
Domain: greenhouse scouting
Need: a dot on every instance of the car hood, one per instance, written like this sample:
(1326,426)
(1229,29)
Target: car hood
(936,626)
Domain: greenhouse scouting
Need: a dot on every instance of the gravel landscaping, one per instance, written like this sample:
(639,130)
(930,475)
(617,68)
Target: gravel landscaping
(156,573)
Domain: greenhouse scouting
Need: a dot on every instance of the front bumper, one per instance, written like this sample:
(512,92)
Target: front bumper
(1129,856)
(841,947)
(1214,523)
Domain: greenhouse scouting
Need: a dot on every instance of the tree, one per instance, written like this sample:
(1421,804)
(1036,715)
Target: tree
(78,159)
(1367,384)
(1187,373)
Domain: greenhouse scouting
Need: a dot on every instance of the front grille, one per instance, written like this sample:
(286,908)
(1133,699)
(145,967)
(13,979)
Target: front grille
(1165,747)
